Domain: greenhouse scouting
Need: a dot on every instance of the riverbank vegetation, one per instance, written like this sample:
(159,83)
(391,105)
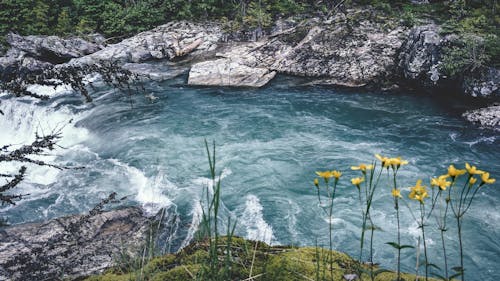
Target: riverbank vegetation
(118,18)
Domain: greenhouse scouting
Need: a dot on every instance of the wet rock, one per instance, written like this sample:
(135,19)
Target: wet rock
(486,83)
(488,117)
(70,247)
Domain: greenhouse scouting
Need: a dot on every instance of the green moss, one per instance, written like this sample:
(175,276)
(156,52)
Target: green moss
(109,277)
(161,263)
(180,273)
(250,258)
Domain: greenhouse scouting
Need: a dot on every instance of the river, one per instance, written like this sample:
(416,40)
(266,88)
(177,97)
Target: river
(269,143)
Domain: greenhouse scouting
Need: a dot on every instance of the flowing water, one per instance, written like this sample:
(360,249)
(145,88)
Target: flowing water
(269,143)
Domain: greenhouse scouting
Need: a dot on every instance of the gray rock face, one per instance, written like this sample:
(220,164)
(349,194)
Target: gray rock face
(488,117)
(225,72)
(485,84)
(420,54)
(169,41)
(51,48)
(334,52)
(71,246)
(344,55)
(16,60)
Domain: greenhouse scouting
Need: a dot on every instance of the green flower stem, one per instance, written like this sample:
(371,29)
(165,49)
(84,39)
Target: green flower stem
(422,213)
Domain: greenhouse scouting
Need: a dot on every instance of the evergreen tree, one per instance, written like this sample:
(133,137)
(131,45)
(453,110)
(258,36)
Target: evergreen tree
(64,26)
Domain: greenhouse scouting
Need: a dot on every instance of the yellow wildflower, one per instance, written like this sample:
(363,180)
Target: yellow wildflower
(418,192)
(396,193)
(336,174)
(325,175)
(362,167)
(357,181)
(316,182)
(385,161)
(472,170)
(397,162)
(453,172)
(485,178)
(441,182)
(472,181)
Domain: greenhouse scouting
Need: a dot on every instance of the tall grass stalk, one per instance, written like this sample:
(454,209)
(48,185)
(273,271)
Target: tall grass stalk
(209,226)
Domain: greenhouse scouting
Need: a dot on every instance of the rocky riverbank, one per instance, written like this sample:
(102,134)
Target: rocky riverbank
(354,50)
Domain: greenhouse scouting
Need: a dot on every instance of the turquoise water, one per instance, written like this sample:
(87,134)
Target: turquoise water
(269,143)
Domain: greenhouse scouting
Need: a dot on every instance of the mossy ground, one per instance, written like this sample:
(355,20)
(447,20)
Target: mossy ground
(250,260)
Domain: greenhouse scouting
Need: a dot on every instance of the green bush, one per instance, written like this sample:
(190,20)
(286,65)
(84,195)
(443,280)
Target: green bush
(471,53)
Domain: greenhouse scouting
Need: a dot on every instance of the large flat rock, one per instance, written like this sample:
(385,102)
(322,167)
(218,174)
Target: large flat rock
(226,72)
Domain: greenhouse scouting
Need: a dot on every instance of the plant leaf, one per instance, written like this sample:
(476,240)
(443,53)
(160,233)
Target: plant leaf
(397,246)
(394,245)
(406,247)
(458,269)
(433,265)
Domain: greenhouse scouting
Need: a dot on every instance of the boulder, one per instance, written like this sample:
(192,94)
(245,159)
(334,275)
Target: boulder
(16,61)
(72,246)
(488,117)
(225,72)
(420,54)
(169,41)
(485,83)
(51,49)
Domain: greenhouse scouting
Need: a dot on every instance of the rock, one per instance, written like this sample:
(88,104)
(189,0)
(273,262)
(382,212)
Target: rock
(334,52)
(420,54)
(484,84)
(225,72)
(156,71)
(70,247)
(337,52)
(51,49)
(16,61)
(169,41)
(488,117)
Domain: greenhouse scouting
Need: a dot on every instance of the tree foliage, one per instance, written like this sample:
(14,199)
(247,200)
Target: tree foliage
(125,17)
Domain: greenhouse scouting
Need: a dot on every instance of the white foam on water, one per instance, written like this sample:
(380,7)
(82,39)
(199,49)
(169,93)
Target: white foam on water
(204,181)
(197,207)
(49,90)
(23,119)
(252,219)
(196,217)
(150,192)
(488,140)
